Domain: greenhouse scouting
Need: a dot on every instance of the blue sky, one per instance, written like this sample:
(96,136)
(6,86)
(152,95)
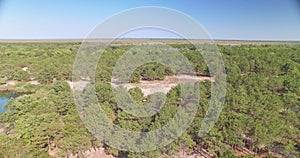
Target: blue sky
(224,19)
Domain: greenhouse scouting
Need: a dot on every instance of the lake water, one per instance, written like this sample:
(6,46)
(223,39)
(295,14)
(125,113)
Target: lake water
(3,101)
(4,98)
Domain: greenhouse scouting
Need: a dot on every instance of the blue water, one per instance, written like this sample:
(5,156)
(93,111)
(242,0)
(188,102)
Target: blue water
(3,101)
(4,98)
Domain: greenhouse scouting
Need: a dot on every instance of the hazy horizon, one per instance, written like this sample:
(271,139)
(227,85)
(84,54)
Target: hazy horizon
(271,20)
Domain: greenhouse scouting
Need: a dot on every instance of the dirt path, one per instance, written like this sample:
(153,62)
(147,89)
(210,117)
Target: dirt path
(14,82)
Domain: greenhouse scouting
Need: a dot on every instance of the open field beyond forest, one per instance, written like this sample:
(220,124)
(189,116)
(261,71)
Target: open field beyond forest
(260,117)
(166,41)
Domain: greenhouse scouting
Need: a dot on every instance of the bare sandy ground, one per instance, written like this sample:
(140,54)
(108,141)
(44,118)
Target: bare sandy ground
(14,82)
(148,87)
(77,85)
(164,86)
(93,153)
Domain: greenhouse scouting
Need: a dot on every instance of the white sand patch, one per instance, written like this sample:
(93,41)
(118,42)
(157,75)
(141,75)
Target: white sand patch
(33,82)
(24,68)
(94,153)
(11,82)
(77,85)
(164,86)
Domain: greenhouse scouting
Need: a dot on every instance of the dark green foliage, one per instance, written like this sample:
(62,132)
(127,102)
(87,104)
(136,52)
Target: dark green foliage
(261,110)
(151,71)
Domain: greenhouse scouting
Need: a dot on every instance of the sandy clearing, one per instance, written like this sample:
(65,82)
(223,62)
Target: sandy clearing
(77,85)
(14,82)
(148,87)
(164,86)
(94,153)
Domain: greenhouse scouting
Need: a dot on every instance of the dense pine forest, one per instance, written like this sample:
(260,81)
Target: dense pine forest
(260,117)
